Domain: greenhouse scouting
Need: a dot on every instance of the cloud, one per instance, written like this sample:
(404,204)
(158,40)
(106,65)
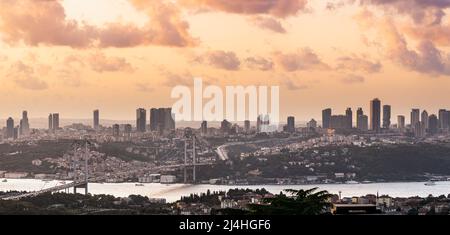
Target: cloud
(292,86)
(438,34)
(353,63)
(25,76)
(303,59)
(259,63)
(276,8)
(99,62)
(426,58)
(41,21)
(173,79)
(44,22)
(268,23)
(226,60)
(352,79)
(421,11)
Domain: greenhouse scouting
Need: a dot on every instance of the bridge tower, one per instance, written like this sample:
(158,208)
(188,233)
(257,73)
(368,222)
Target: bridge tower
(194,160)
(85,155)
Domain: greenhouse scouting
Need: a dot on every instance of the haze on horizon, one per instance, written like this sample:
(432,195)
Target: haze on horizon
(74,56)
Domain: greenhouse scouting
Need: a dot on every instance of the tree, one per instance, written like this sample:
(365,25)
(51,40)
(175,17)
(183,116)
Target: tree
(298,202)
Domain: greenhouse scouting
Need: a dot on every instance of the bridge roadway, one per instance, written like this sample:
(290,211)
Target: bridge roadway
(96,179)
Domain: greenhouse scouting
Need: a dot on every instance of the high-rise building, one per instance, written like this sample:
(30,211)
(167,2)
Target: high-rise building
(433,124)
(204,128)
(154,119)
(247,126)
(362,122)
(359,113)
(53,121)
(116,130)
(419,129)
(141,120)
(50,122)
(162,119)
(10,128)
(24,124)
(424,118)
(291,124)
(312,124)
(415,117)
(444,119)
(169,119)
(349,115)
(127,130)
(326,118)
(225,126)
(339,122)
(401,122)
(375,115)
(96,119)
(386,116)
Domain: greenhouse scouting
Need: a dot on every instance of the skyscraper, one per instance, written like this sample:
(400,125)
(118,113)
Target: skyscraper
(162,119)
(359,113)
(349,115)
(127,130)
(444,119)
(362,122)
(247,126)
(53,121)
(415,117)
(401,122)
(24,124)
(154,119)
(56,121)
(291,124)
(375,115)
(10,128)
(339,122)
(204,128)
(424,118)
(50,122)
(141,121)
(432,124)
(96,119)
(326,118)
(386,116)
(116,130)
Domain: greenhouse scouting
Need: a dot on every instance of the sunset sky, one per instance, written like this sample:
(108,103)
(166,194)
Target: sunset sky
(74,56)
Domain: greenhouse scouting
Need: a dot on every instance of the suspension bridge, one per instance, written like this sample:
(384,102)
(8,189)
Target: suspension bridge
(83,183)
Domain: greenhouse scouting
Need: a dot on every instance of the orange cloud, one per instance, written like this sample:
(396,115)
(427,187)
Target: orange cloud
(101,63)
(268,24)
(36,22)
(277,8)
(26,77)
(226,60)
(304,59)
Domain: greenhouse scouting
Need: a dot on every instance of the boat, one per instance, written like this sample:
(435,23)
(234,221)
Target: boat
(430,183)
(4,180)
(138,184)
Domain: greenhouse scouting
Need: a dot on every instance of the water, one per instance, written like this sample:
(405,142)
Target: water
(173,192)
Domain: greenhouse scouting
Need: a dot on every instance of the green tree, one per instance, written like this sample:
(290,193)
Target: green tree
(297,202)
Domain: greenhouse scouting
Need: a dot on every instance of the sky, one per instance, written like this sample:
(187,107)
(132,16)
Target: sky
(74,56)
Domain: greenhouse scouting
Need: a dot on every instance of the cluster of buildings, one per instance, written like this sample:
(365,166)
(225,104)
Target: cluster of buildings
(15,131)
(379,120)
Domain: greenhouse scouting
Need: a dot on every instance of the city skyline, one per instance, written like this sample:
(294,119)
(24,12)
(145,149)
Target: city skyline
(116,58)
